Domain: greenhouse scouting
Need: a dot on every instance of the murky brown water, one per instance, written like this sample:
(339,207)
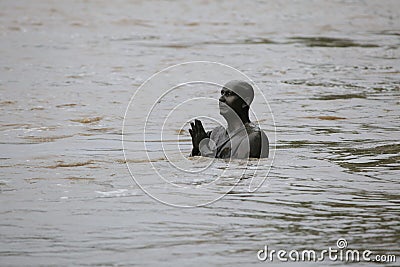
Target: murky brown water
(330,71)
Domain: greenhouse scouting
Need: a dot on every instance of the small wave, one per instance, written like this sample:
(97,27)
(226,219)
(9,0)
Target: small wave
(62,164)
(133,22)
(389,32)
(117,193)
(7,102)
(45,139)
(322,84)
(38,108)
(16,126)
(258,40)
(66,105)
(343,96)
(305,143)
(34,180)
(104,130)
(79,178)
(123,161)
(326,118)
(363,159)
(321,41)
(88,120)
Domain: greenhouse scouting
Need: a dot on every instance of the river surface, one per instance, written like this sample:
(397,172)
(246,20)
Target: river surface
(330,71)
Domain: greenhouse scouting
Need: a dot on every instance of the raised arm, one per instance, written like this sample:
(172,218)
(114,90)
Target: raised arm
(197,133)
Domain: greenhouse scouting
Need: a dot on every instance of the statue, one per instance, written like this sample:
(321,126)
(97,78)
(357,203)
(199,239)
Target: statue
(242,138)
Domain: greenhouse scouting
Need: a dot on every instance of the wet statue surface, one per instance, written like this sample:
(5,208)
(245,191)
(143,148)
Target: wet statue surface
(242,138)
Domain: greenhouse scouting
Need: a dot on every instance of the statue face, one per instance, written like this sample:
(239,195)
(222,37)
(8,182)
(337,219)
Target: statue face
(230,102)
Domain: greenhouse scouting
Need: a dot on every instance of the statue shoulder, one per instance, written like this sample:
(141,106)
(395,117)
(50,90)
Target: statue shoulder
(251,127)
(259,143)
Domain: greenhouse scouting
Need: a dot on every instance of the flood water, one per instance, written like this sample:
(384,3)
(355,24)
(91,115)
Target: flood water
(329,70)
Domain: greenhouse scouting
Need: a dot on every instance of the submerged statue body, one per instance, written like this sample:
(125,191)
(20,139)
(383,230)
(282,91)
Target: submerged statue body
(242,138)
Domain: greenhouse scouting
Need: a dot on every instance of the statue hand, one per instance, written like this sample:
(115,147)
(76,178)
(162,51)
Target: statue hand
(197,133)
